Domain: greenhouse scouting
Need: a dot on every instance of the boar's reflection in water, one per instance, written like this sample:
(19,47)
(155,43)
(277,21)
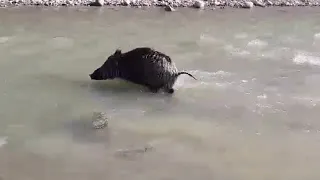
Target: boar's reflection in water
(144,66)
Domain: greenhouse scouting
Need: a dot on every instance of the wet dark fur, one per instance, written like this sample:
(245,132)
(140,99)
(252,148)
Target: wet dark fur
(144,66)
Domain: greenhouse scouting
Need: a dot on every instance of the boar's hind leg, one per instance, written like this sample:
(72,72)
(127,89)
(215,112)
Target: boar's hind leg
(170,90)
(154,89)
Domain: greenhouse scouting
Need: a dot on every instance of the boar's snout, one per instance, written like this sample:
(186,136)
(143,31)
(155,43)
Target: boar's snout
(96,75)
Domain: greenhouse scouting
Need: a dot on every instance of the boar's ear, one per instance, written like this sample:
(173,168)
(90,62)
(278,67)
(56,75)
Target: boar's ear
(117,52)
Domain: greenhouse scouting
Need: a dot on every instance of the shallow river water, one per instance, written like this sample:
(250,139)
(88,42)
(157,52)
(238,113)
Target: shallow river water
(253,113)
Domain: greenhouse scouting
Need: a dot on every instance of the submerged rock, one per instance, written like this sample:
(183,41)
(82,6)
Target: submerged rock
(99,120)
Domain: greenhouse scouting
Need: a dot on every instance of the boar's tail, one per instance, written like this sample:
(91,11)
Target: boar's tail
(182,72)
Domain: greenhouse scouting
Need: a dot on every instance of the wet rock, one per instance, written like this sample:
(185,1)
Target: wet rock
(99,120)
(289,4)
(169,8)
(234,4)
(258,3)
(199,4)
(216,3)
(248,4)
(146,4)
(172,3)
(69,3)
(97,3)
(177,3)
(126,2)
(268,3)
(36,2)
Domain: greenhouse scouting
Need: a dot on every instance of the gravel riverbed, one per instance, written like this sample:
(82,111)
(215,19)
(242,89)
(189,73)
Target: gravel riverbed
(168,4)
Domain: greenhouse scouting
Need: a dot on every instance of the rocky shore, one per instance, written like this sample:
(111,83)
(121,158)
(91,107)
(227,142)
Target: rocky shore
(169,5)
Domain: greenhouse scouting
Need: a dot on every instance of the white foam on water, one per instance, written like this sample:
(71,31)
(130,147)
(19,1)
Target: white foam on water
(257,43)
(3,141)
(303,58)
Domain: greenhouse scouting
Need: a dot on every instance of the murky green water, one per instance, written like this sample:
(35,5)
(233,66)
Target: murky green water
(252,115)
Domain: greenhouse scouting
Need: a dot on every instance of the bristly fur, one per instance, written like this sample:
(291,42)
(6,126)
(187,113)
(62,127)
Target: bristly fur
(144,66)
